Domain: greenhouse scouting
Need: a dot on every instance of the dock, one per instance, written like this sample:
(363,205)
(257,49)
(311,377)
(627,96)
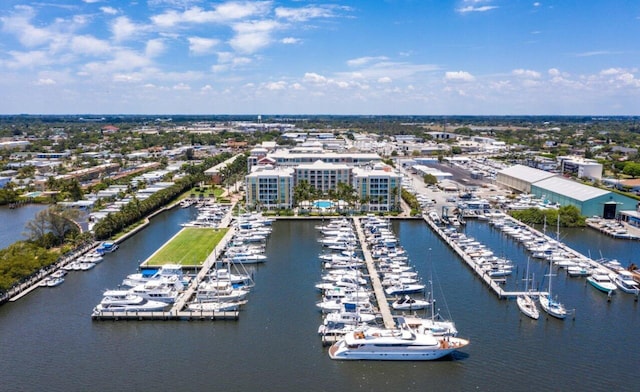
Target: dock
(177,310)
(381,298)
(492,283)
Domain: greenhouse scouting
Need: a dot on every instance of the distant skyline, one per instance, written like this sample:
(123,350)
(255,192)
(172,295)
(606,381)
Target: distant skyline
(393,57)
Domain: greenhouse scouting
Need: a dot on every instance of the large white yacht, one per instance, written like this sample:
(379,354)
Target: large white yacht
(401,344)
(156,291)
(125,301)
(171,271)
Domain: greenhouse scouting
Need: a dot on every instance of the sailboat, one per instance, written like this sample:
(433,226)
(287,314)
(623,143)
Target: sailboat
(550,305)
(526,304)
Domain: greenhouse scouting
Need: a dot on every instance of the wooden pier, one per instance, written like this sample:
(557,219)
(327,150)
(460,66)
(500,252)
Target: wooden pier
(381,298)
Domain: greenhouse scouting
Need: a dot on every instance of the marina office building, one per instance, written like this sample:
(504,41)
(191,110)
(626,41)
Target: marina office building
(274,176)
(591,201)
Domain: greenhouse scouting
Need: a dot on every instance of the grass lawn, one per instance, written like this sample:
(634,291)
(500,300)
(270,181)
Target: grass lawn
(190,247)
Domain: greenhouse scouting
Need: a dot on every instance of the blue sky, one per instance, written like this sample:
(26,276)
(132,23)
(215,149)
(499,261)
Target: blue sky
(502,57)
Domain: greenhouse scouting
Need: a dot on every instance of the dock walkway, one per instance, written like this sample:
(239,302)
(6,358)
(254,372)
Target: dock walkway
(178,311)
(381,298)
(491,282)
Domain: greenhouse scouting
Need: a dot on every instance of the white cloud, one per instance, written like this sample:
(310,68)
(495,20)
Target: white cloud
(154,47)
(526,73)
(537,4)
(305,13)
(89,45)
(126,78)
(223,13)
(109,10)
(470,8)
(611,71)
(252,36)
(385,79)
(91,1)
(313,77)
(29,60)
(182,87)
(200,46)
(122,29)
(274,86)
(360,61)
(45,82)
(229,60)
(290,41)
(462,76)
(554,72)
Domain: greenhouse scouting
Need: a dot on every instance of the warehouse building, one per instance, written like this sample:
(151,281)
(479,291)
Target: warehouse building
(591,201)
(520,177)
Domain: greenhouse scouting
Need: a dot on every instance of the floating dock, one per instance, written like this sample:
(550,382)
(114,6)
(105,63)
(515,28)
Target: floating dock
(381,298)
(177,311)
(493,283)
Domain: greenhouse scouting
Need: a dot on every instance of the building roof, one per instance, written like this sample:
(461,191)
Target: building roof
(572,189)
(526,173)
(321,165)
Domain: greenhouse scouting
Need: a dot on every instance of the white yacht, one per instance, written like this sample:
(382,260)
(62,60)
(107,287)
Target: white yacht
(219,291)
(401,344)
(602,282)
(51,281)
(171,271)
(125,301)
(409,303)
(215,306)
(157,291)
(624,280)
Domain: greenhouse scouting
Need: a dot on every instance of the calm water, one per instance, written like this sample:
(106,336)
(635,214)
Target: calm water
(49,342)
(14,221)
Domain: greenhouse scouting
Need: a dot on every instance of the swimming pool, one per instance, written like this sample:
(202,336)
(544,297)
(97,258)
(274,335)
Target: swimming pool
(323,204)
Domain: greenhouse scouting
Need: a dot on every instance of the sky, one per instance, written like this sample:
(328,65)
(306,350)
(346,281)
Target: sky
(368,57)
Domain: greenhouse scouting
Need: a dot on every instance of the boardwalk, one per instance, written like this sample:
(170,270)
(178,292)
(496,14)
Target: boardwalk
(383,304)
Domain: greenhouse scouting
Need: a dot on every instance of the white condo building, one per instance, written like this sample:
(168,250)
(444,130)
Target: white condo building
(274,176)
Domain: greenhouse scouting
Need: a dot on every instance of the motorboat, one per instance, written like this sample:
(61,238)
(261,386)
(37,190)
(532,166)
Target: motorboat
(172,271)
(362,306)
(248,258)
(578,271)
(107,247)
(125,301)
(219,291)
(215,306)
(404,288)
(624,280)
(223,274)
(602,282)
(52,281)
(92,257)
(399,344)
(409,303)
(156,291)
(349,317)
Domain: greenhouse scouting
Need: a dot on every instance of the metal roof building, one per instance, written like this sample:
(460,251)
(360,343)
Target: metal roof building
(591,201)
(520,177)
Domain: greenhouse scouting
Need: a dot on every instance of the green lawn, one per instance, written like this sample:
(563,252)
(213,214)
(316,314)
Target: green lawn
(190,247)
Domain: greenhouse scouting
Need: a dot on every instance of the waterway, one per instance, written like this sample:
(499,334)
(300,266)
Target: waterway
(14,220)
(49,342)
